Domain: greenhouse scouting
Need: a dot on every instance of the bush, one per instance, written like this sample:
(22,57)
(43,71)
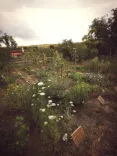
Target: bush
(94,78)
(58,88)
(102,66)
(79,68)
(80,93)
(75,76)
(42,109)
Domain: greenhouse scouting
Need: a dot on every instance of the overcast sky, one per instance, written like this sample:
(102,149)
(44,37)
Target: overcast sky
(50,21)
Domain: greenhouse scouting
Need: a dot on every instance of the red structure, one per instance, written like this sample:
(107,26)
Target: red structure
(16,53)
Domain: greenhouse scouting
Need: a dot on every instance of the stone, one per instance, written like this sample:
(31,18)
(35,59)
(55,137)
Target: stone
(101,100)
(78,136)
(115,88)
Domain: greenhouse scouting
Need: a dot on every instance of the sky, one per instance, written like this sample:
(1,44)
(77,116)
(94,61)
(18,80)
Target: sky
(33,22)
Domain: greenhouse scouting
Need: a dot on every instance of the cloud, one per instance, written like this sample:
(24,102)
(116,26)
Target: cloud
(16,4)
(53,20)
(15,27)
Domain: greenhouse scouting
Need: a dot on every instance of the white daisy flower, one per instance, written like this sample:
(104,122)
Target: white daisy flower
(49,101)
(40,84)
(32,104)
(49,80)
(34,95)
(42,94)
(72,104)
(53,104)
(43,87)
(51,117)
(43,110)
(45,123)
(74,111)
(65,137)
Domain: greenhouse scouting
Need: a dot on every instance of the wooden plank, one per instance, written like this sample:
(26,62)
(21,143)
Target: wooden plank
(78,136)
(115,88)
(101,100)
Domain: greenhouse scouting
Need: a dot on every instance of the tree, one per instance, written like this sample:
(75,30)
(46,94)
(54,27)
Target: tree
(66,48)
(8,41)
(102,34)
(5,55)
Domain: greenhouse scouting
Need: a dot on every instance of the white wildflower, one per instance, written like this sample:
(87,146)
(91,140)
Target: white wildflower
(58,104)
(61,116)
(43,110)
(42,94)
(51,117)
(48,86)
(71,102)
(43,87)
(40,84)
(48,105)
(32,104)
(59,119)
(74,111)
(65,137)
(48,97)
(49,80)
(45,123)
(34,95)
(49,101)
(53,104)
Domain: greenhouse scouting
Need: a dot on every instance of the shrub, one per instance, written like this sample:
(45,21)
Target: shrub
(75,76)
(79,93)
(94,78)
(42,109)
(79,68)
(58,87)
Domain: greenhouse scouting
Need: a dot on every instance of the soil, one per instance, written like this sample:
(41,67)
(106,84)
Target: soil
(98,121)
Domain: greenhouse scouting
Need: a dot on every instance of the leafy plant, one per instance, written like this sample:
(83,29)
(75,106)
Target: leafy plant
(79,93)
(75,76)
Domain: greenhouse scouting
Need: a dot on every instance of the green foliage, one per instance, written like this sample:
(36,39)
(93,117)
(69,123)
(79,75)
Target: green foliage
(8,41)
(102,34)
(58,88)
(94,78)
(75,76)
(22,130)
(79,68)
(80,93)
(4,58)
(46,113)
(102,66)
